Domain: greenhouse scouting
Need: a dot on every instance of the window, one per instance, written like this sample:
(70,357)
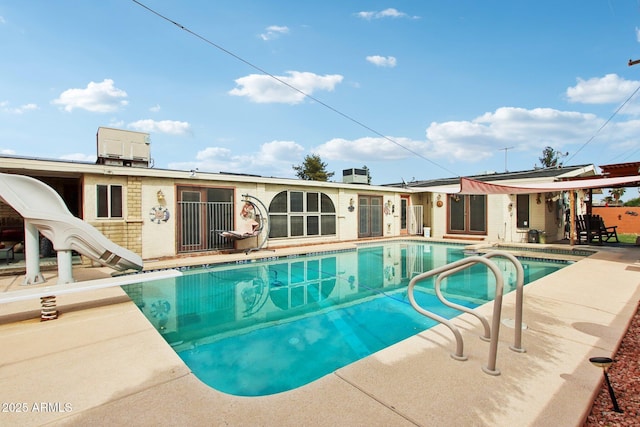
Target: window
(522,211)
(300,214)
(109,199)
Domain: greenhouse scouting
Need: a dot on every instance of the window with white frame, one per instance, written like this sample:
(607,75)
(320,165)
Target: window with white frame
(300,214)
(109,200)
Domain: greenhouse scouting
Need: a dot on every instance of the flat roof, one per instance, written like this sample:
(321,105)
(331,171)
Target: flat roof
(526,174)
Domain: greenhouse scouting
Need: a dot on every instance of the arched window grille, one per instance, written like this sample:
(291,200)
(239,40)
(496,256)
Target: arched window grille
(302,214)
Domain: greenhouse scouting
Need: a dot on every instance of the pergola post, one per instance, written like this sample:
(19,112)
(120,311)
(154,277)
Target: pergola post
(572,217)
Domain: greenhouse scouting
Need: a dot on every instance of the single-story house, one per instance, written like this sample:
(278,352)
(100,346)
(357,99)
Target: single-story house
(160,213)
(516,217)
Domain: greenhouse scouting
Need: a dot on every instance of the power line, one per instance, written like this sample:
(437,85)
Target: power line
(306,95)
(605,123)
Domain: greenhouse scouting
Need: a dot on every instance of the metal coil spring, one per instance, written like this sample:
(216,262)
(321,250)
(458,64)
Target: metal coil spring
(49,310)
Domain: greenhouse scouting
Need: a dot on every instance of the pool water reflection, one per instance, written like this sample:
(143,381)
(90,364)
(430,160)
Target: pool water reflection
(267,327)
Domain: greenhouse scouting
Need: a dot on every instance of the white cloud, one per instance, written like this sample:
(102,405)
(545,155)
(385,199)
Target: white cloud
(117,124)
(265,89)
(637,34)
(369,148)
(275,151)
(79,157)
(458,142)
(274,31)
(366,15)
(602,90)
(387,13)
(273,159)
(476,140)
(7,151)
(479,139)
(17,110)
(382,61)
(155,108)
(171,127)
(96,97)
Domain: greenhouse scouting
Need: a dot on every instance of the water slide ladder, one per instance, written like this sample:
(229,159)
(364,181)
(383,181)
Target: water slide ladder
(456,266)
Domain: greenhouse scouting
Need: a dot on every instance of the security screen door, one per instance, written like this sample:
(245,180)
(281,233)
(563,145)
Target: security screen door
(369,216)
(467,214)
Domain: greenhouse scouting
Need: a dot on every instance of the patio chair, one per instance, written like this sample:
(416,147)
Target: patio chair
(245,238)
(591,228)
(606,233)
(7,251)
(251,229)
(587,231)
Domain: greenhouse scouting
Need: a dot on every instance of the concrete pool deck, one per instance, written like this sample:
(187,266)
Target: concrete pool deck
(102,362)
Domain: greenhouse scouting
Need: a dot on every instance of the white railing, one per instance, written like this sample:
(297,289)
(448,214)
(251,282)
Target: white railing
(415,219)
(491,333)
(195,222)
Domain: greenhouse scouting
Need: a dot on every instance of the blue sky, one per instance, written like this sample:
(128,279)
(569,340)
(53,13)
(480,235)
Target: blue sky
(411,89)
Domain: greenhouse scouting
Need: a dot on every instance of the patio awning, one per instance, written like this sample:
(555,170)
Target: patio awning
(472,186)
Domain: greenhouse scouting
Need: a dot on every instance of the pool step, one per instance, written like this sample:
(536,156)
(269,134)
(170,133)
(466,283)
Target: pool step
(348,334)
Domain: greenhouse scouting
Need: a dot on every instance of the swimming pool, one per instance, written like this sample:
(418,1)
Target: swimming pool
(257,328)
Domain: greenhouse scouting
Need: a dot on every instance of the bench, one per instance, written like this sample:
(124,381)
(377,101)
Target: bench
(592,228)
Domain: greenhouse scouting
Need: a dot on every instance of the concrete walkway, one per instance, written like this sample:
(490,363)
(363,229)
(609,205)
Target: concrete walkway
(102,363)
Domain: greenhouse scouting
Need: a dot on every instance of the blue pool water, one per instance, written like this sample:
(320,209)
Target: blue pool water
(265,327)
(278,358)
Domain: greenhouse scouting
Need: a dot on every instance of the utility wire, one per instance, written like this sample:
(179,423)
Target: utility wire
(605,123)
(306,95)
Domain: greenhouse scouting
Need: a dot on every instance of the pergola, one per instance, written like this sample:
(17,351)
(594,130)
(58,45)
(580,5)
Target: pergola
(619,179)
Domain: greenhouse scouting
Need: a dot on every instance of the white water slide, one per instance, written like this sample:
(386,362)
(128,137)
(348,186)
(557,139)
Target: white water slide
(44,210)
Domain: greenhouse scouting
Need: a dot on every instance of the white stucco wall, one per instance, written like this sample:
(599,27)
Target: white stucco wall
(159,235)
(158,218)
(90,197)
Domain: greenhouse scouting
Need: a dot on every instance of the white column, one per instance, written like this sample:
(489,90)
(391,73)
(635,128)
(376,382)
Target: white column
(32,255)
(65,267)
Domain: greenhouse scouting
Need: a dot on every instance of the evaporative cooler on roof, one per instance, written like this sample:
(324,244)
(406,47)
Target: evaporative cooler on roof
(117,147)
(354,176)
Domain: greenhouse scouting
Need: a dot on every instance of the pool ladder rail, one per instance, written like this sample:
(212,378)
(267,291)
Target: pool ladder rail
(456,266)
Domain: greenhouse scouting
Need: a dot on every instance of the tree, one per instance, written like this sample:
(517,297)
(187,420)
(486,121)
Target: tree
(633,202)
(551,158)
(617,193)
(313,169)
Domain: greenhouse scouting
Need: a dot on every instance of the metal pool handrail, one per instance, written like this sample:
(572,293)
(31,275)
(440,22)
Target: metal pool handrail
(459,265)
(517,339)
(445,301)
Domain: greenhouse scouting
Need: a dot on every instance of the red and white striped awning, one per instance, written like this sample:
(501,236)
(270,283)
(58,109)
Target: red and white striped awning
(472,186)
